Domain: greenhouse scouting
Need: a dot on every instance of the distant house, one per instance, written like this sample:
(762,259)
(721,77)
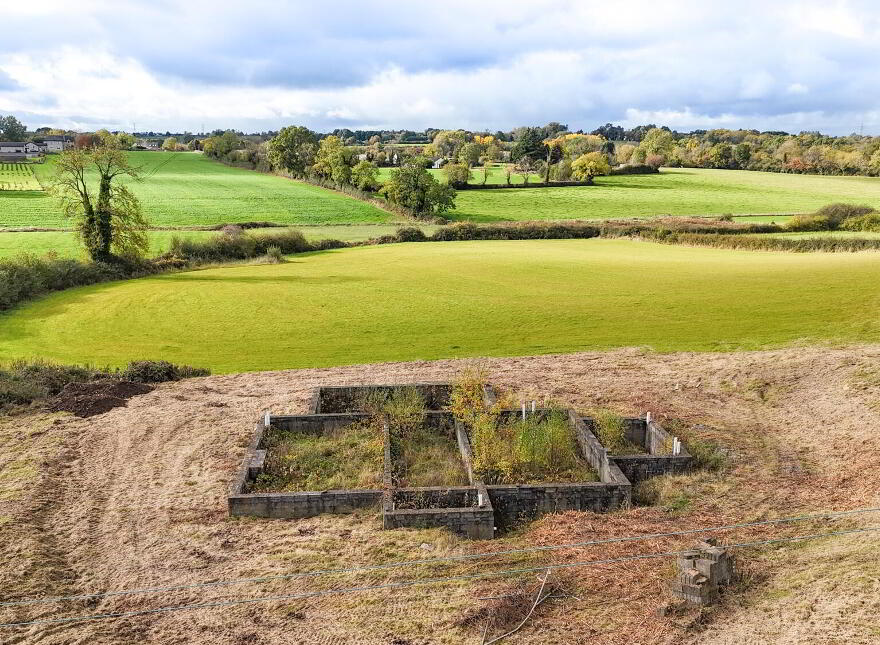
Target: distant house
(439,163)
(147,144)
(18,150)
(58,142)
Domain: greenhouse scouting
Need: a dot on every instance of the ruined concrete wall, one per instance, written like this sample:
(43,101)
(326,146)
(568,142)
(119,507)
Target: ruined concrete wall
(302,504)
(517,504)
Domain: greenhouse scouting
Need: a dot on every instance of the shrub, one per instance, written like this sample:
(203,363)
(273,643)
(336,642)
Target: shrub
(159,372)
(409,234)
(24,382)
(838,212)
(867,222)
(27,276)
(274,254)
(803,223)
(238,245)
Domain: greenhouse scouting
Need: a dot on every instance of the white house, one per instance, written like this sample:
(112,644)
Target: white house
(58,142)
(12,147)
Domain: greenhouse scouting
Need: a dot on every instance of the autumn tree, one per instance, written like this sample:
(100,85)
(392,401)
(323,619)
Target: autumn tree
(170,144)
(109,218)
(587,166)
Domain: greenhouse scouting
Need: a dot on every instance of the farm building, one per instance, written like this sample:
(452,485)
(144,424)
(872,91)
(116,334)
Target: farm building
(19,150)
(57,143)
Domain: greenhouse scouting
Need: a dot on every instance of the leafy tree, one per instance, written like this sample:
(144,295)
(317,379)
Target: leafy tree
(333,160)
(530,144)
(293,150)
(658,142)
(170,143)
(12,129)
(587,166)
(414,188)
(365,176)
(447,143)
(108,216)
(470,153)
(125,141)
(457,174)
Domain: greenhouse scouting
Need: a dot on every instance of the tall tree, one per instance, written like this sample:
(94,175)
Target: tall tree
(108,216)
(414,188)
(293,150)
(12,129)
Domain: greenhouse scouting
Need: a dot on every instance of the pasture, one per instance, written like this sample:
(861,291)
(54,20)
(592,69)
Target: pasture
(436,300)
(65,243)
(675,191)
(187,189)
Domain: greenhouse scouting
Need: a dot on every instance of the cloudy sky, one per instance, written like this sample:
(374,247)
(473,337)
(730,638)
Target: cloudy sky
(490,64)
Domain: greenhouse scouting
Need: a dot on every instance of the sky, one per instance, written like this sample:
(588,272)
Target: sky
(479,65)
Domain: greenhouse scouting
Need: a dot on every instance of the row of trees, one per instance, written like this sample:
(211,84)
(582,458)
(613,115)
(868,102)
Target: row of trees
(299,152)
(807,152)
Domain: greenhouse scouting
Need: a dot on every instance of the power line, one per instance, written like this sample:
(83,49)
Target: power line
(453,558)
(413,583)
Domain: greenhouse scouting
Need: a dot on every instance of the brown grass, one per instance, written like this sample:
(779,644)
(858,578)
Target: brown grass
(136,497)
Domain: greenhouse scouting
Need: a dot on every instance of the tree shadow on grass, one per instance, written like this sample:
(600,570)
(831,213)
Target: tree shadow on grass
(22,194)
(245,279)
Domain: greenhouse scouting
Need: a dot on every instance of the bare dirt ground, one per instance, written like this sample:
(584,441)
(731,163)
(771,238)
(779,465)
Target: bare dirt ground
(135,497)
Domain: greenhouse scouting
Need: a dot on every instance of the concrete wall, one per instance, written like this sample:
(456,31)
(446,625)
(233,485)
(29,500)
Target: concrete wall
(302,504)
(517,504)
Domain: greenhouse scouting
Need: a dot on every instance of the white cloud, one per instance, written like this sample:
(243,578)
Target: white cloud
(688,64)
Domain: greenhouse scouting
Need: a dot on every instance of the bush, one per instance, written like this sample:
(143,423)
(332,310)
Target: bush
(24,382)
(804,223)
(837,213)
(159,372)
(274,254)
(869,222)
(27,276)
(409,234)
(235,244)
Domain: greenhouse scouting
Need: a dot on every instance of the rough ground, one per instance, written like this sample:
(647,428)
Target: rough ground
(135,497)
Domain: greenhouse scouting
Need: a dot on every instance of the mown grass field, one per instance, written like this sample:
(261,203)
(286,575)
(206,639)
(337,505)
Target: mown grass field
(427,301)
(65,243)
(675,191)
(186,189)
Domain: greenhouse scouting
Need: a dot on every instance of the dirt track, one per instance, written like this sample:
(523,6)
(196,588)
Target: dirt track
(135,498)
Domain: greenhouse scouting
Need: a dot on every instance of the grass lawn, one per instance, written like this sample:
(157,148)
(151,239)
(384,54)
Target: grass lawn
(675,191)
(185,188)
(457,299)
(65,243)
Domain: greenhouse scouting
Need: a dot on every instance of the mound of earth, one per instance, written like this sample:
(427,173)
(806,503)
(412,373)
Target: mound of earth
(96,397)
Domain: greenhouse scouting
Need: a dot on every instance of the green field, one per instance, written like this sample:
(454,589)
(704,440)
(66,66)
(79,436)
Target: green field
(18,177)
(426,301)
(187,189)
(65,243)
(675,191)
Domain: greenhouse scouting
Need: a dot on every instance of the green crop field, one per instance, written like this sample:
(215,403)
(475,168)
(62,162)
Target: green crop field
(186,189)
(18,177)
(675,191)
(65,243)
(426,301)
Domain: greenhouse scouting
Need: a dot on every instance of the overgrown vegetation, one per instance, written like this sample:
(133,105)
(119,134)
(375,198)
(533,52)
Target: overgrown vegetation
(348,458)
(508,449)
(611,430)
(26,382)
